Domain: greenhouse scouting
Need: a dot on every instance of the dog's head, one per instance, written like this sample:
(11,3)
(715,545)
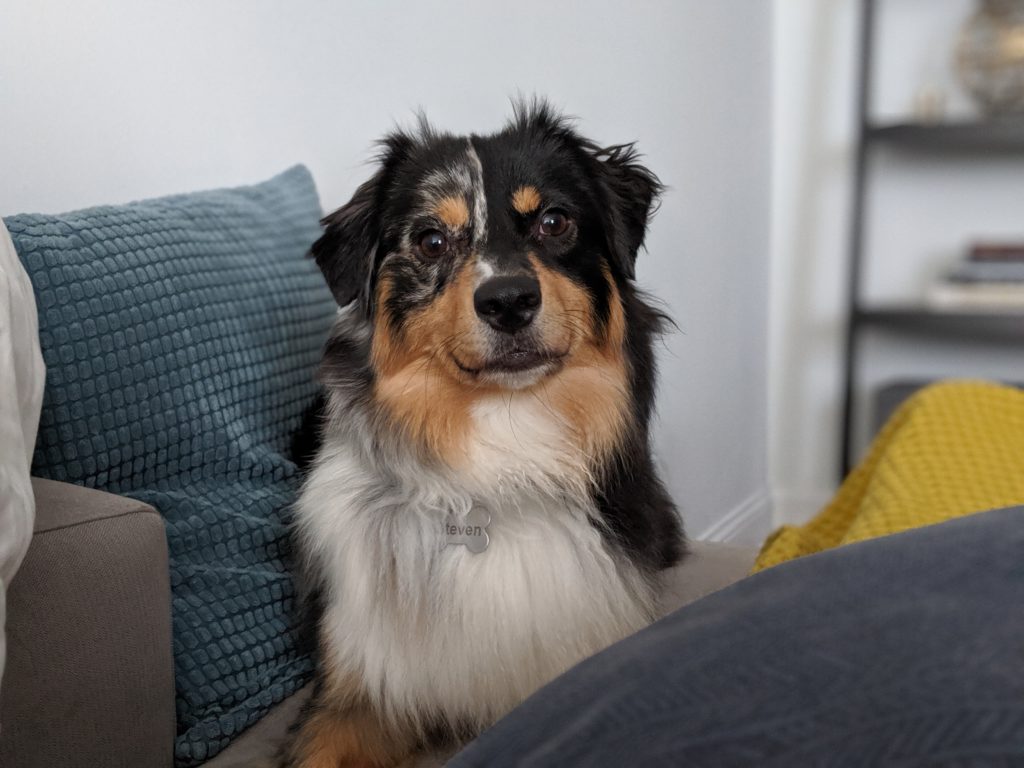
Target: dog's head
(494,261)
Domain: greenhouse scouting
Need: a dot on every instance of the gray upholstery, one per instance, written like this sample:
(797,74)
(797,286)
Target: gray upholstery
(707,568)
(89,679)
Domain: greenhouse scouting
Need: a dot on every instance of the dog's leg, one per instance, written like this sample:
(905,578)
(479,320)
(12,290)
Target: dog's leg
(353,738)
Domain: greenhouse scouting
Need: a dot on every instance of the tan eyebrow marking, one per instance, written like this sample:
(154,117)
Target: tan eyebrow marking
(526,199)
(452,211)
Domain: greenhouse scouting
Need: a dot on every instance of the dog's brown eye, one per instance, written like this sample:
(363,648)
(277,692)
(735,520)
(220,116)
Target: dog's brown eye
(554,223)
(433,244)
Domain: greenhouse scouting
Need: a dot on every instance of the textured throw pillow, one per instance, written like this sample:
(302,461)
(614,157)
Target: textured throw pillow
(180,337)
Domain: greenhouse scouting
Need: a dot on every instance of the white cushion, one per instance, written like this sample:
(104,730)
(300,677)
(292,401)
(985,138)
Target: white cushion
(21,383)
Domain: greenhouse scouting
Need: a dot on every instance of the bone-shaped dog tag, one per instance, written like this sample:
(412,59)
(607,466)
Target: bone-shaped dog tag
(471,530)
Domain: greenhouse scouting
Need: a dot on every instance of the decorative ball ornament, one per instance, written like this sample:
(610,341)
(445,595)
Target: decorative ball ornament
(990,56)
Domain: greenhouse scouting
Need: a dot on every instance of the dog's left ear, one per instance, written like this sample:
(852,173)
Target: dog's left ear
(632,193)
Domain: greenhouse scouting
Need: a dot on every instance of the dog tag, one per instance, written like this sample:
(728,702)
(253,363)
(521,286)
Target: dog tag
(471,530)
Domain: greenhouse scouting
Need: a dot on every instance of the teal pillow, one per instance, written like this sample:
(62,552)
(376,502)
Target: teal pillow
(181,337)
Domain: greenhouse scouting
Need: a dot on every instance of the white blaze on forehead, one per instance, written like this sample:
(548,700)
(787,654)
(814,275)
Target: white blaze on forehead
(479,201)
(484,270)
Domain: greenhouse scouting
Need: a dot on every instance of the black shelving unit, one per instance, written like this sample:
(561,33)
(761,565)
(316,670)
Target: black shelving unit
(1002,325)
(978,137)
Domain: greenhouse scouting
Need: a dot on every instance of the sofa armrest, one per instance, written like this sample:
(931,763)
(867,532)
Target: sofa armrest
(89,678)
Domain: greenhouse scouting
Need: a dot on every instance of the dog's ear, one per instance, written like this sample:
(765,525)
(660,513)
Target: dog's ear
(346,250)
(631,193)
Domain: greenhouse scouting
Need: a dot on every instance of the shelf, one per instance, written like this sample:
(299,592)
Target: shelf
(917,319)
(996,135)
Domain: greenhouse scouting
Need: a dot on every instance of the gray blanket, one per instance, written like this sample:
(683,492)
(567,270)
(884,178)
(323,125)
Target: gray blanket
(906,650)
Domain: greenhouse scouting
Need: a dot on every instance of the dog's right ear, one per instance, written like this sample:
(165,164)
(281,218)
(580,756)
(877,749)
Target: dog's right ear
(346,250)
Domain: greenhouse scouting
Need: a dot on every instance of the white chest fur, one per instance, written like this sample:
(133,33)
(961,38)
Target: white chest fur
(431,628)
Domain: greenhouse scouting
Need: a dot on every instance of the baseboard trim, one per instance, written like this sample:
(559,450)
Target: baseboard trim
(748,523)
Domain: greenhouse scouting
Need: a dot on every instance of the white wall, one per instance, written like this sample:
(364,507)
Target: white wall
(923,209)
(110,101)
(812,153)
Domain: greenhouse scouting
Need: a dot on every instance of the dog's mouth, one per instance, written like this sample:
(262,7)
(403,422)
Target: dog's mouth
(513,361)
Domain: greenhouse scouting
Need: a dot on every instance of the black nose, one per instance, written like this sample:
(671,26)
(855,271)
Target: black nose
(507,303)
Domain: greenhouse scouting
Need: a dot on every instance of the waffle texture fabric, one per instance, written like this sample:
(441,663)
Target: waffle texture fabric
(180,337)
(951,449)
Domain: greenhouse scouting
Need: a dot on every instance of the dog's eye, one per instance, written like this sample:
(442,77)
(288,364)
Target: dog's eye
(433,244)
(554,222)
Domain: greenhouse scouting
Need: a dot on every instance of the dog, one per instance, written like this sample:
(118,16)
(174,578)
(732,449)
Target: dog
(483,511)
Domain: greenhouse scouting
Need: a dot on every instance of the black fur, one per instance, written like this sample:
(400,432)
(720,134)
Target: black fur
(306,440)
(631,497)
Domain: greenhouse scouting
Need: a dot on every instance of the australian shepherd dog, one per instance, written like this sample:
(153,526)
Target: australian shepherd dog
(483,511)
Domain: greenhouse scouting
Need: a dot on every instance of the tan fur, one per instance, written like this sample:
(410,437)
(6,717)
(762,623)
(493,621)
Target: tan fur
(526,199)
(565,318)
(590,392)
(453,212)
(424,392)
(615,334)
(417,381)
(354,738)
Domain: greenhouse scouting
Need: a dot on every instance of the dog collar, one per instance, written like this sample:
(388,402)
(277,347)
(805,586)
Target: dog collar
(470,531)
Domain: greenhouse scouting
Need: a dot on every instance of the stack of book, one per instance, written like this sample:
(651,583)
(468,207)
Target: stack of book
(990,278)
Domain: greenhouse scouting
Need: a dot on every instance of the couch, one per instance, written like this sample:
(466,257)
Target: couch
(90,676)
(89,679)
